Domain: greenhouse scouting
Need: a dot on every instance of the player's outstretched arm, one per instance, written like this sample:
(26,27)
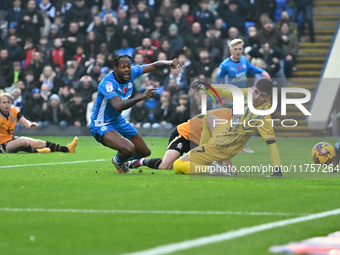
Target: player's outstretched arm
(121,105)
(28,124)
(174,64)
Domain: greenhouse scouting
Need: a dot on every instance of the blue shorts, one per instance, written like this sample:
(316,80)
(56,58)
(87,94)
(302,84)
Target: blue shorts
(337,146)
(121,126)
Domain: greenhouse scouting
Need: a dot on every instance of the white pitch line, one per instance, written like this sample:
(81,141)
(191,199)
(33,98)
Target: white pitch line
(57,163)
(147,212)
(169,248)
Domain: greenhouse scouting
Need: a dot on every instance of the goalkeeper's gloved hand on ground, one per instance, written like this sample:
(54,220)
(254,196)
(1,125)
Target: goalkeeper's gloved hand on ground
(200,84)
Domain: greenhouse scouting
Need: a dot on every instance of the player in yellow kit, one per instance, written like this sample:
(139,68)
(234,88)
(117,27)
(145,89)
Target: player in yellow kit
(185,137)
(238,131)
(9,116)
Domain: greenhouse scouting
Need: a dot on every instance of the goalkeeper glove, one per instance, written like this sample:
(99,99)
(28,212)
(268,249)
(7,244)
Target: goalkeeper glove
(200,84)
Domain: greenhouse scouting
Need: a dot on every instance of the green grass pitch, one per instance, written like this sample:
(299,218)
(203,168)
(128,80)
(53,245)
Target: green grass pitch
(95,185)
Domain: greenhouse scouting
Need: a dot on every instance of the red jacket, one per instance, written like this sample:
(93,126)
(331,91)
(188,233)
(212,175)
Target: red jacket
(29,57)
(58,57)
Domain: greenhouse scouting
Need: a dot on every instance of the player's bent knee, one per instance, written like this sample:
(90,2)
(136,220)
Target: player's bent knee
(146,152)
(128,150)
(177,166)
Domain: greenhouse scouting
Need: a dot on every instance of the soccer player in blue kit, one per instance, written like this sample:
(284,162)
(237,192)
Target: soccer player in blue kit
(236,68)
(108,126)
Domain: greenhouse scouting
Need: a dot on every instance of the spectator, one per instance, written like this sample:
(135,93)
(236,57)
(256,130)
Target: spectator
(30,81)
(185,8)
(80,14)
(103,71)
(29,51)
(72,39)
(103,50)
(215,55)
(161,74)
(220,26)
(150,53)
(17,99)
(94,72)
(139,115)
(260,22)
(30,22)
(53,34)
(125,49)
(232,35)
(107,8)
(159,29)
(133,32)
(6,67)
(165,48)
(86,86)
(164,112)
(48,9)
(214,34)
(48,77)
(194,39)
(122,18)
(13,14)
(234,14)
(204,66)
(78,111)
(57,53)
(306,7)
(89,109)
(25,93)
(291,25)
(203,15)
(183,109)
(69,78)
(251,40)
(65,95)
(181,80)
(271,69)
(182,24)
(257,7)
(166,11)
(34,105)
(42,48)
(144,16)
(270,35)
(37,64)
(64,7)
(54,113)
(92,43)
(97,26)
(94,11)
(17,72)
(290,50)
(14,50)
(176,41)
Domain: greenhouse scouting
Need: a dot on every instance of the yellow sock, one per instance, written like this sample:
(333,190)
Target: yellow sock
(188,167)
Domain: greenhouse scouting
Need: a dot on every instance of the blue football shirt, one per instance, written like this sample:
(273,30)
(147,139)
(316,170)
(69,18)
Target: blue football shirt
(103,112)
(236,72)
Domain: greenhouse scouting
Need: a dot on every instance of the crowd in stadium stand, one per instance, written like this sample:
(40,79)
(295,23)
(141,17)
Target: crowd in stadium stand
(53,53)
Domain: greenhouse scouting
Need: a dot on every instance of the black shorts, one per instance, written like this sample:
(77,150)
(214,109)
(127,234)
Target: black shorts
(3,146)
(178,143)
